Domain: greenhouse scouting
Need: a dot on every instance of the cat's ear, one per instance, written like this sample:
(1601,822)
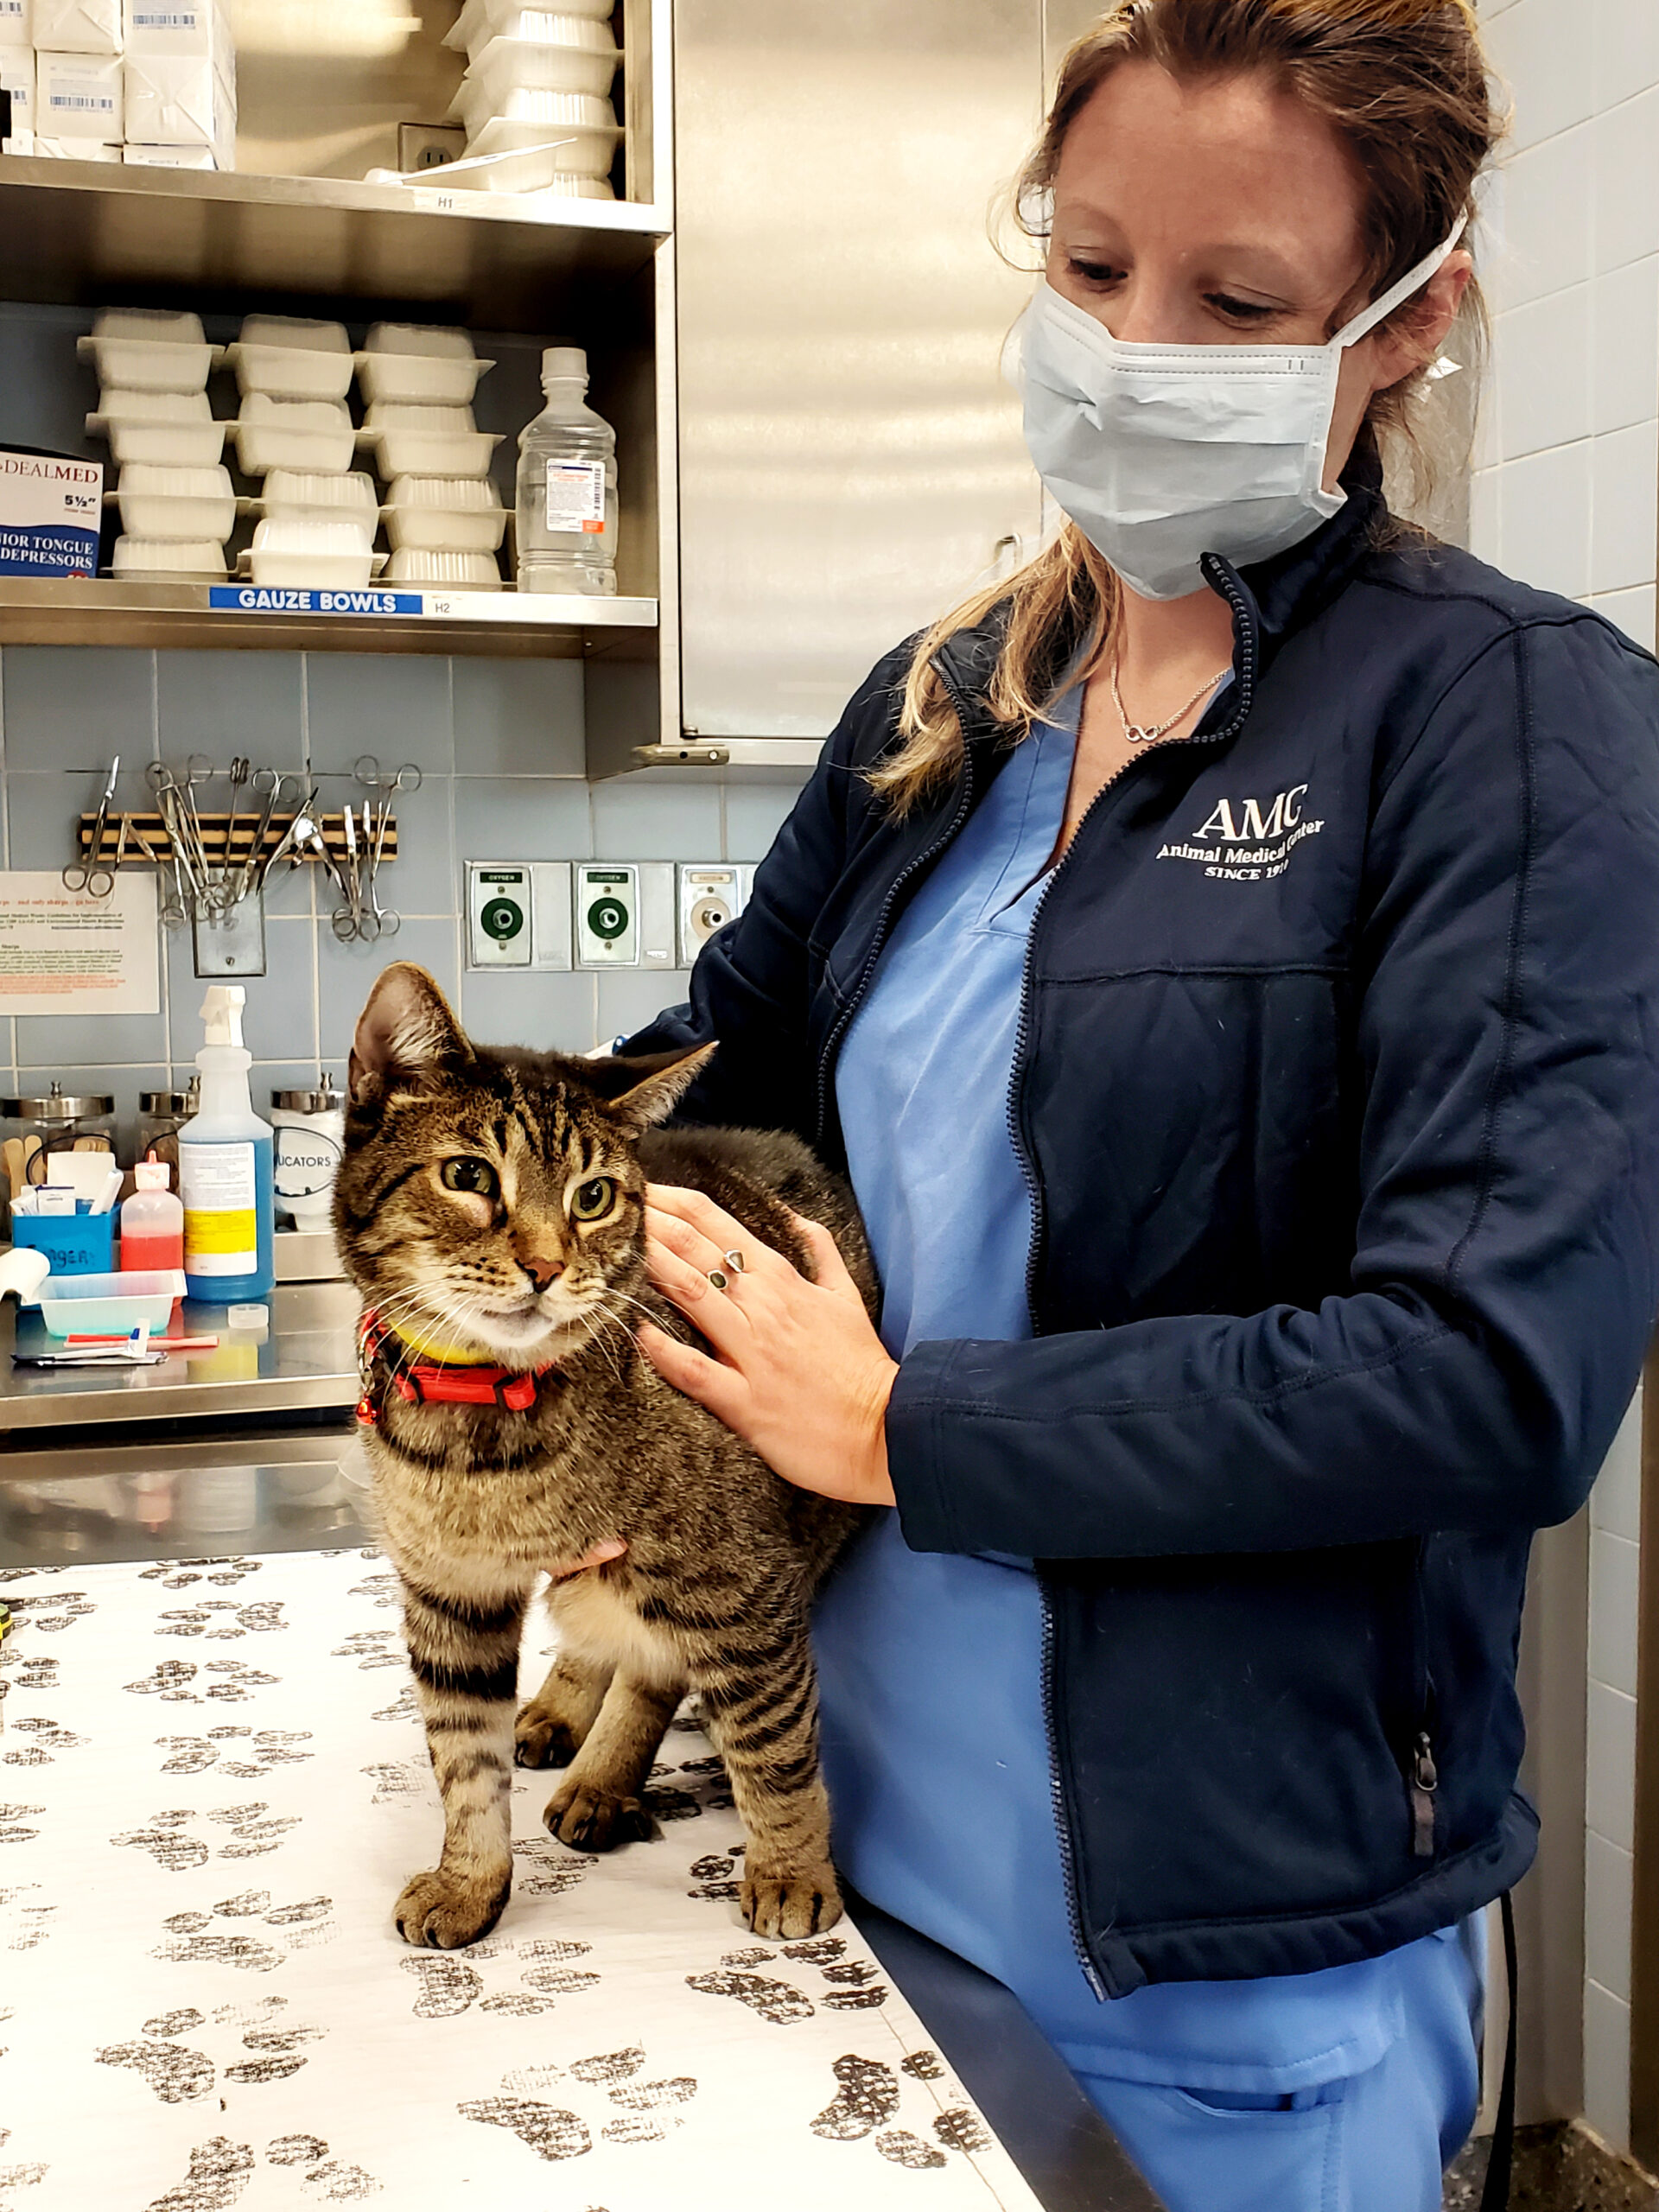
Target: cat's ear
(404,1034)
(641,1093)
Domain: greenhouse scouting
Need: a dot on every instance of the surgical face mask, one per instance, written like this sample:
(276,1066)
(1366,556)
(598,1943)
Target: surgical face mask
(1160,453)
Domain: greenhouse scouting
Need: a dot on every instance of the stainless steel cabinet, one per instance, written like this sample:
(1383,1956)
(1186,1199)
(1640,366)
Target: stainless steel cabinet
(849,458)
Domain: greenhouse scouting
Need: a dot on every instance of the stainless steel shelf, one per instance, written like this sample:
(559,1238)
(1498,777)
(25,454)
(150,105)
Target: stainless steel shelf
(98,610)
(73,233)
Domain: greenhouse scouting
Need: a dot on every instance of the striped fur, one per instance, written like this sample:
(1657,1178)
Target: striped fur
(713,1594)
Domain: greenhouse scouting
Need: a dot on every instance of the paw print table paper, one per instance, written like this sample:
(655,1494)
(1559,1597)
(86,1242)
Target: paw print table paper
(213,1783)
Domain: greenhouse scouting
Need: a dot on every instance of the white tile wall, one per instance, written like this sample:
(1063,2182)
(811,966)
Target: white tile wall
(1567,496)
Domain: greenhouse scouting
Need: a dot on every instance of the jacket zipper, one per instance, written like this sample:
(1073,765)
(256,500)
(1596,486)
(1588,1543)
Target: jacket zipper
(1222,577)
(1423,1778)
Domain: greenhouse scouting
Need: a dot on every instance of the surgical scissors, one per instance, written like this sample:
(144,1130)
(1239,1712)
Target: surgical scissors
(91,875)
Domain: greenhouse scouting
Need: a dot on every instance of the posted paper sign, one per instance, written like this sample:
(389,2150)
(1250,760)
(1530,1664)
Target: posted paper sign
(66,952)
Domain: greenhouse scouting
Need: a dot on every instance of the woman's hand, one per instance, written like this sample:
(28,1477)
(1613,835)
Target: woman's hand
(612,1547)
(801,1375)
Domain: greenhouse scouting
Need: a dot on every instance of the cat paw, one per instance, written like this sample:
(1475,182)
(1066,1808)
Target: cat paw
(441,1910)
(541,1739)
(791,1904)
(590,1819)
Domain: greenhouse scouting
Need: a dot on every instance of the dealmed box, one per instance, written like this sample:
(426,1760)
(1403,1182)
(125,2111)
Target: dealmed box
(50,508)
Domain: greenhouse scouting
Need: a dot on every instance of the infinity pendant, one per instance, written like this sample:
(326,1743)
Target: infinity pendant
(1139,736)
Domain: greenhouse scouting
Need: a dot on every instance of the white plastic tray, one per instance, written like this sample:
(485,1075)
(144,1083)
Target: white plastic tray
(580,151)
(451,571)
(482,19)
(329,498)
(110,1304)
(166,445)
(573,66)
(289,371)
(445,530)
(314,436)
(184,560)
(424,379)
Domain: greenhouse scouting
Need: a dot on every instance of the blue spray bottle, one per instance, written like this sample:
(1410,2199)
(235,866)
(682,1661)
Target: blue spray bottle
(226,1168)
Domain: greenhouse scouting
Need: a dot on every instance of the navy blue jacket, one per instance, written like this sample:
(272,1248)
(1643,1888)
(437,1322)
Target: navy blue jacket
(1337,1089)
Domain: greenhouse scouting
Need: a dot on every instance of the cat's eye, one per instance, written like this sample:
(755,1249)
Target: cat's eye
(476,1177)
(591,1201)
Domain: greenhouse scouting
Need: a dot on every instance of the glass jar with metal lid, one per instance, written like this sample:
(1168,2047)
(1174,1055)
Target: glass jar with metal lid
(162,1115)
(31,1129)
(310,1128)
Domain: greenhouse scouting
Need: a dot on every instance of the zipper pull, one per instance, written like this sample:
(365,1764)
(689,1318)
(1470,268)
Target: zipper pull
(1425,1780)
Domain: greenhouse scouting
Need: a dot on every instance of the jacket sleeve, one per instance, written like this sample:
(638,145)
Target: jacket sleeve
(750,988)
(1503,1285)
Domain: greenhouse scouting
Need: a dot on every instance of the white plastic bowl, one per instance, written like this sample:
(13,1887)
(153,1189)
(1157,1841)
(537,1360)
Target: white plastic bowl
(295,332)
(150,326)
(581,66)
(430,515)
(533,176)
(149,364)
(561,149)
(176,503)
(426,381)
(411,440)
(300,549)
(289,371)
(479,21)
(328,498)
(553,112)
(193,441)
(426,338)
(74,1306)
(159,560)
(314,436)
(432,571)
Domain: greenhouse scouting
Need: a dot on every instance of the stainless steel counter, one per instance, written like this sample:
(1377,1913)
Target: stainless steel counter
(304,1362)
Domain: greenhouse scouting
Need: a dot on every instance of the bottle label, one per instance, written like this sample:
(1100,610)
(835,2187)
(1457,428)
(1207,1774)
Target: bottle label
(221,1224)
(305,1160)
(575,495)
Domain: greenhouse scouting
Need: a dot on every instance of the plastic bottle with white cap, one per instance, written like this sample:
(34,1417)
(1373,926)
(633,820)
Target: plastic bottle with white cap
(152,1220)
(226,1168)
(567,487)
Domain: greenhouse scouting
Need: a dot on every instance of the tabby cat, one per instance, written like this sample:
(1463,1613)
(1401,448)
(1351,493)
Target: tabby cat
(490,1209)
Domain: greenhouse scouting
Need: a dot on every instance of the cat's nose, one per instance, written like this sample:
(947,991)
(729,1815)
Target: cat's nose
(541,1271)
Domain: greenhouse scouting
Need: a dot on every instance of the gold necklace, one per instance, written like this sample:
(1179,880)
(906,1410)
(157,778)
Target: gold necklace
(1138,735)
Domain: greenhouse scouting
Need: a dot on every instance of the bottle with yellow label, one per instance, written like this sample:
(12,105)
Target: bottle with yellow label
(226,1168)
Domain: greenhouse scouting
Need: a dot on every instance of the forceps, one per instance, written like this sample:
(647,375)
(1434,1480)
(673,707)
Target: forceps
(91,875)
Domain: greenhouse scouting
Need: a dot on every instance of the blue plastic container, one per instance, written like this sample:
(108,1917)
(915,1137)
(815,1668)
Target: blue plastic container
(81,1243)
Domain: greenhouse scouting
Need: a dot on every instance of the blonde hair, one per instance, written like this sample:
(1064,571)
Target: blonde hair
(1404,85)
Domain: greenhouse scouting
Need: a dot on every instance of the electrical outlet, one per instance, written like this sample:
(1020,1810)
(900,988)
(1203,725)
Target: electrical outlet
(605,908)
(708,900)
(499,908)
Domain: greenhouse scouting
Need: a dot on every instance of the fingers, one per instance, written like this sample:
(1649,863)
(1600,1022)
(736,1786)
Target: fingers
(716,1312)
(828,1266)
(722,1389)
(612,1547)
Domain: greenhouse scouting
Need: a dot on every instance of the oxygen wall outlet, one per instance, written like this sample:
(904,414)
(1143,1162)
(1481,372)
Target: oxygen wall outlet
(606,910)
(708,900)
(499,910)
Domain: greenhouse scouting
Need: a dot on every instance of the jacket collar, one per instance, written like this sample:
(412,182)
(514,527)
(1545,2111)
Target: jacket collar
(1279,596)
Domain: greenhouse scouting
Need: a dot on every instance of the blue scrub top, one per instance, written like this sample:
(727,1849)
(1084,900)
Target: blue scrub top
(935,1745)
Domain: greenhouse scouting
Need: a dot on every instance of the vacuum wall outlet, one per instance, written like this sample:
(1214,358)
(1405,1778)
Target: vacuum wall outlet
(708,900)
(658,932)
(606,912)
(549,884)
(499,909)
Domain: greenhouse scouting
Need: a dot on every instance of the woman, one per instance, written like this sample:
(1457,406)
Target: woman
(1226,958)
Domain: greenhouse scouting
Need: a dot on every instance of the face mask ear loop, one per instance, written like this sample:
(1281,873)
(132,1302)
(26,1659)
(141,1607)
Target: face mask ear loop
(1397,294)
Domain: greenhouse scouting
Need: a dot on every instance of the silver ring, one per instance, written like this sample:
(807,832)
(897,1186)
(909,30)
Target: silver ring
(734,1260)
(717,1279)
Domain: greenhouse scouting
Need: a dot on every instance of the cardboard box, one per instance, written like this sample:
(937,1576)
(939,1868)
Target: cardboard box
(58,148)
(17,77)
(169,157)
(176,26)
(51,505)
(17,23)
(79,96)
(179,99)
(78,26)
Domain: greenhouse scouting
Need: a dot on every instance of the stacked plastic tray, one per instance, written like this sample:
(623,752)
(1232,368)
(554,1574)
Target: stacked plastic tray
(536,97)
(444,517)
(317,516)
(174,493)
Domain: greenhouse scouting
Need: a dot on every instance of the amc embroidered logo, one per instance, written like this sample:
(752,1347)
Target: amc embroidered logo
(1246,842)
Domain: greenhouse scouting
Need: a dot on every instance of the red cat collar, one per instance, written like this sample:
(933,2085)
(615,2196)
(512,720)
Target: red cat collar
(436,1382)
